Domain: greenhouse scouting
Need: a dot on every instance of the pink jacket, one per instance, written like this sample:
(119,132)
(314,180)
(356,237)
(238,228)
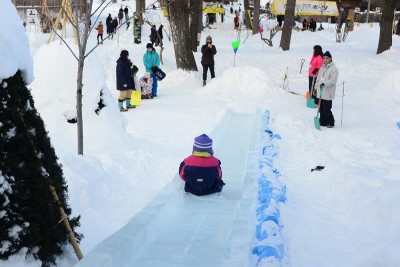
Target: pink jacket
(315,62)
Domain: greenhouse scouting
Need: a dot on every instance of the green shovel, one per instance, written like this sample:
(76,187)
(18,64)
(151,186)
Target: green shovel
(316,118)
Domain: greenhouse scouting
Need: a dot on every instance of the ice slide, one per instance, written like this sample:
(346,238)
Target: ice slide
(176,229)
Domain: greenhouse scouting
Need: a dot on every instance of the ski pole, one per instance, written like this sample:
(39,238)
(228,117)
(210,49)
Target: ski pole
(341,116)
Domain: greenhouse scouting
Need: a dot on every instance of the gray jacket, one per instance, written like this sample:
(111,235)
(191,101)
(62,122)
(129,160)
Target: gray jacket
(328,75)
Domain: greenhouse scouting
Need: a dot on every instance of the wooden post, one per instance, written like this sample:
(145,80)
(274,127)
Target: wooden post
(70,233)
(66,8)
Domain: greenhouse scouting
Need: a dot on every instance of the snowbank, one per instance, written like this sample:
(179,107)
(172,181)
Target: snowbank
(14,45)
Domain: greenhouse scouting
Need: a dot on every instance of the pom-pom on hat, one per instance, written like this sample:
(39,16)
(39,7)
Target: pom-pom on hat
(327,54)
(203,143)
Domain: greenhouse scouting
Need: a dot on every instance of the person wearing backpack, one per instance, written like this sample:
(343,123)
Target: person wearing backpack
(201,171)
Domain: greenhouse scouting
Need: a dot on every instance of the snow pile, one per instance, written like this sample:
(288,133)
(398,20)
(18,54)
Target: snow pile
(14,45)
(55,93)
(270,248)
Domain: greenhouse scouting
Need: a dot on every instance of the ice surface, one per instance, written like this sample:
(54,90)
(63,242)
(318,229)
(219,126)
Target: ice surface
(177,229)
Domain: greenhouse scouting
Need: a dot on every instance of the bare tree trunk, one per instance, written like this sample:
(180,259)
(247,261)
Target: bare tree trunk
(288,25)
(195,12)
(256,16)
(140,7)
(82,42)
(247,10)
(386,26)
(178,15)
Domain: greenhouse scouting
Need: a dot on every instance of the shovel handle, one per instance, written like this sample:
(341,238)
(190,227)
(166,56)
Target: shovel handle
(319,101)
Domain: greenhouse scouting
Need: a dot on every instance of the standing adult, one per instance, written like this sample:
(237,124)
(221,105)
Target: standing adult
(313,25)
(326,82)
(160,35)
(124,81)
(280,19)
(207,60)
(115,24)
(305,24)
(236,21)
(126,10)
(315,66)
(108,23)
(110,26)
(151,59)
(153,34)
(398,27)
(120,15)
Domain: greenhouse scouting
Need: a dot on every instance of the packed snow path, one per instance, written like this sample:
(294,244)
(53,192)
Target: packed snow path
(176,229)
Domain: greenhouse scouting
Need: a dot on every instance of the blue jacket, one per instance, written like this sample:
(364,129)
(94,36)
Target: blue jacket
(151,59)
(124,75)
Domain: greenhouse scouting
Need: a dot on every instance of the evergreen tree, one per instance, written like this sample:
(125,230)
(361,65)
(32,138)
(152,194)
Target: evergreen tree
(29,217)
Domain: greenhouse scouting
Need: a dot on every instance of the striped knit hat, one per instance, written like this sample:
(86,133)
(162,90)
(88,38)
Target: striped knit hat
(203,143)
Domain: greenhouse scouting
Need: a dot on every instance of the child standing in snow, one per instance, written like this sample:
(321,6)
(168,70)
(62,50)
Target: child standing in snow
(146,83)
(201,171)
(100,30)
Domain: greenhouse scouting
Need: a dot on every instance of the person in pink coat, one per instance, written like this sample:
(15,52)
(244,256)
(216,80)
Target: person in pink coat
(315,66)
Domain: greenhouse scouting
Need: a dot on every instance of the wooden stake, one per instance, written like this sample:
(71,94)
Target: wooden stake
(64,217)
(65,14)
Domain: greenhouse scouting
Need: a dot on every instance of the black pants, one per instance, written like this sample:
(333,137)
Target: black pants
(326,116)
(101,36)
(310,86)
(215,188)
(205,69)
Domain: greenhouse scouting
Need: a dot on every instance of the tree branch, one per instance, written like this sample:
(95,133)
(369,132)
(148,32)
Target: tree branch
(62,39)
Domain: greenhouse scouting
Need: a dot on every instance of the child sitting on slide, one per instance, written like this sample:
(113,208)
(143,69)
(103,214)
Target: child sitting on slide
(201,171)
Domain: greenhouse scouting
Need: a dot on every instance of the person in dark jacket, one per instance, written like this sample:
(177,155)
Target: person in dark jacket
(153,34)
(124,81)
(397,32)
(110,26)
(160,35)
(201,171)
(313,25)
(126,10)
(120,15)
(207,60)
(115,24)
(109,23)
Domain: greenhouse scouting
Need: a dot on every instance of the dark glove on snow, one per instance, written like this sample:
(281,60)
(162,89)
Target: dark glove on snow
(315,71)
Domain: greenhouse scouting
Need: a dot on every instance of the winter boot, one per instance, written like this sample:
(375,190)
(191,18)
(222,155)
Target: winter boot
(204,83)
(128,104)
(120,105)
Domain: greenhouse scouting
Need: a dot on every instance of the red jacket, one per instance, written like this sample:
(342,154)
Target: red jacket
(209,167)
(99,29)
(315,62)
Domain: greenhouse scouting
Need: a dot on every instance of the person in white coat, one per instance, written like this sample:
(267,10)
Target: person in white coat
(326,82)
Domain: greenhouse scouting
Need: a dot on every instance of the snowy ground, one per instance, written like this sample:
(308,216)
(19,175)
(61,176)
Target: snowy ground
(345,215)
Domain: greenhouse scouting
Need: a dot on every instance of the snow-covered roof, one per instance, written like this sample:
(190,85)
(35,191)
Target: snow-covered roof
(14,44)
